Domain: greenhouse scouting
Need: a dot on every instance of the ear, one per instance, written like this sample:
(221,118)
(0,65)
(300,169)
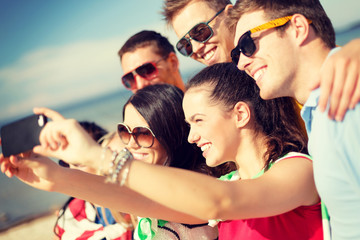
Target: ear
(174,61)
(227,9)
(242,114)
(301,28)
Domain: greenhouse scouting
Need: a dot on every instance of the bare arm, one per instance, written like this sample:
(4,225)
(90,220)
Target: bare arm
(42,173)
(287,185)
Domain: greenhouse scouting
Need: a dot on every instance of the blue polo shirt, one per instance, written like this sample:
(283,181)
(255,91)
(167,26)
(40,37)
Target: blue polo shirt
(335,149)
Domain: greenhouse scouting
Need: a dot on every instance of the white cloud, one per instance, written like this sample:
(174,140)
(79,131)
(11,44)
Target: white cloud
(60,75)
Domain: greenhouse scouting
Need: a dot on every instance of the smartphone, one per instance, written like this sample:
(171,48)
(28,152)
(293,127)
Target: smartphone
(21,135)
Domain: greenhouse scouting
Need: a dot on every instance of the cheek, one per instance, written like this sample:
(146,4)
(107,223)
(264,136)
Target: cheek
(158,154)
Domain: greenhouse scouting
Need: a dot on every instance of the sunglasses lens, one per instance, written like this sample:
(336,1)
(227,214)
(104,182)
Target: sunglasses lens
(147,71)
(143,136)
(247,45)
(235,55)
(184,47)
(200,32)
(128,80)
(124,134)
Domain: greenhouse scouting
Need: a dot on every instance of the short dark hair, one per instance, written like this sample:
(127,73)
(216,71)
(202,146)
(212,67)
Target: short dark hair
(172,7)
(94,130)
(160,44)
(311,9)
(278,119)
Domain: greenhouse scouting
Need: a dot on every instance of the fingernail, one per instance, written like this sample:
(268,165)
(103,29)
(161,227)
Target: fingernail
(338,118)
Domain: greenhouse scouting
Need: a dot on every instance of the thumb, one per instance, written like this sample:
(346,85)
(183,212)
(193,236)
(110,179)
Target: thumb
(41,150)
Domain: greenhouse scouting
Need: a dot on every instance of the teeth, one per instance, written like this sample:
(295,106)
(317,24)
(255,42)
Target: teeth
(258,74)
(209,55)
(205,147)
(139,155)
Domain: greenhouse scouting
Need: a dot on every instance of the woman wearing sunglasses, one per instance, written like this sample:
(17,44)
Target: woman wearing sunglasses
(155,132)
(272,194)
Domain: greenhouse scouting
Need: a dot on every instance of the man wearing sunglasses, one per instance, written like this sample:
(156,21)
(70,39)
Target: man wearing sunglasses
(201,28)
(283,46)
(205,36)
(148,58)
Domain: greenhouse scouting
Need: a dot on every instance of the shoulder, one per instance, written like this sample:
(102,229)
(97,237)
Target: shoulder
(292,155)
(293,164)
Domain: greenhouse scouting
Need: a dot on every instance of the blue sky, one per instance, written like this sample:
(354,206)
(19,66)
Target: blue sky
(55,53)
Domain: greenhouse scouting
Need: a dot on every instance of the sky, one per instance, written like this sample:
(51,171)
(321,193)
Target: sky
(55,53)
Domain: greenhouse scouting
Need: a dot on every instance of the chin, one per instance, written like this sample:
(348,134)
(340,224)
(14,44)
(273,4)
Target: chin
(212,163)
(265,95)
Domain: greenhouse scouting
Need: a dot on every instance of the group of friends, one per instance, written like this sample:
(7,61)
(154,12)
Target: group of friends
(229,155)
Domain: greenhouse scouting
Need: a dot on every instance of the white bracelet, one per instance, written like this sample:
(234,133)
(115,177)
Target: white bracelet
(121,158)
(125,175)
(111,166)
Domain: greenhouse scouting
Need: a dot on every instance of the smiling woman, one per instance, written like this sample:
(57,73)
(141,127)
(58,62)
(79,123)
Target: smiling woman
(230,122)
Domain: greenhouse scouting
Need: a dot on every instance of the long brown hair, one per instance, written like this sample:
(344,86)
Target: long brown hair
(278,119)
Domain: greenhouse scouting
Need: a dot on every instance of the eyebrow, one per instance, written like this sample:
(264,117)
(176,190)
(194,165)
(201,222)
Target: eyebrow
(193,117)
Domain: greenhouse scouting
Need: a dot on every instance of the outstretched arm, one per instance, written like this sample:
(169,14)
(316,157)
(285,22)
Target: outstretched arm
(340,81)
(287,185)
(43,173)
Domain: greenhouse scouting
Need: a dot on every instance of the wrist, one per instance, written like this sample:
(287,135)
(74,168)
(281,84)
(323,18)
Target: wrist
(93,157)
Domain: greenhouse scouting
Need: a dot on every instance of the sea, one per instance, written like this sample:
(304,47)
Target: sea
(20,203)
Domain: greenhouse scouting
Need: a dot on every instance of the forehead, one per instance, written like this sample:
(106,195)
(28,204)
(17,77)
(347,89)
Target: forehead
(132,60)
(193,13)
(133,118)
(247,22)
(195,101)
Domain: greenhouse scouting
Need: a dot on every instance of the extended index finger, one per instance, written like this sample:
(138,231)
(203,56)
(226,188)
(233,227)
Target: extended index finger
(49,113)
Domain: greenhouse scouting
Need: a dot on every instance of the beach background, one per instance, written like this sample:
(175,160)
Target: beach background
(63,55)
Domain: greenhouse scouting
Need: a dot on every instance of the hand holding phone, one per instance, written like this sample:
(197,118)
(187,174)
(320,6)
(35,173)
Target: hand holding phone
(22,135)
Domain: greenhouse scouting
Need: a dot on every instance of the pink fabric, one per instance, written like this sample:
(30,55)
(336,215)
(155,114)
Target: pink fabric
(303,223)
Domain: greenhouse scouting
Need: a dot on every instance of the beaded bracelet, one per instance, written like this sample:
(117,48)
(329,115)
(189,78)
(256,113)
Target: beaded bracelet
(110,172)
(117,164)
(125,175)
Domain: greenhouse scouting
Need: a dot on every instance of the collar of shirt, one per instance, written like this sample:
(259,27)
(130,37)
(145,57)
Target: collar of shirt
(312,102)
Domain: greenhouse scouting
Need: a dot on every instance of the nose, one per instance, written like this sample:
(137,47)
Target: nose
(244,62)
(193,137)
(140,82)
(132,144)
(196,46)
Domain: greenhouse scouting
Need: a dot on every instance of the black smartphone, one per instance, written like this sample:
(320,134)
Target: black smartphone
(21,135)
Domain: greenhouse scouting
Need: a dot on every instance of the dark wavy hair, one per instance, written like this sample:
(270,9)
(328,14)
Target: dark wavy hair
(161,107)
(279,119)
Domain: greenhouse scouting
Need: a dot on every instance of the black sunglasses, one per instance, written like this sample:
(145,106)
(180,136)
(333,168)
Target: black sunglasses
(246,44)
(148,71)
(143,136)
(201,33)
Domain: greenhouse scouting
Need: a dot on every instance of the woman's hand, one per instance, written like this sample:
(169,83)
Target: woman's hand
(65,139)
(35,170)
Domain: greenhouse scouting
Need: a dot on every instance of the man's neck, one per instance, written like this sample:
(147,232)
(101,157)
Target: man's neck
(309,70)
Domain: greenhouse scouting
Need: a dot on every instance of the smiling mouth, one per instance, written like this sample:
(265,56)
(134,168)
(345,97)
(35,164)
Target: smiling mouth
(139,156)
(207,56)
(205,147)
(259,73)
